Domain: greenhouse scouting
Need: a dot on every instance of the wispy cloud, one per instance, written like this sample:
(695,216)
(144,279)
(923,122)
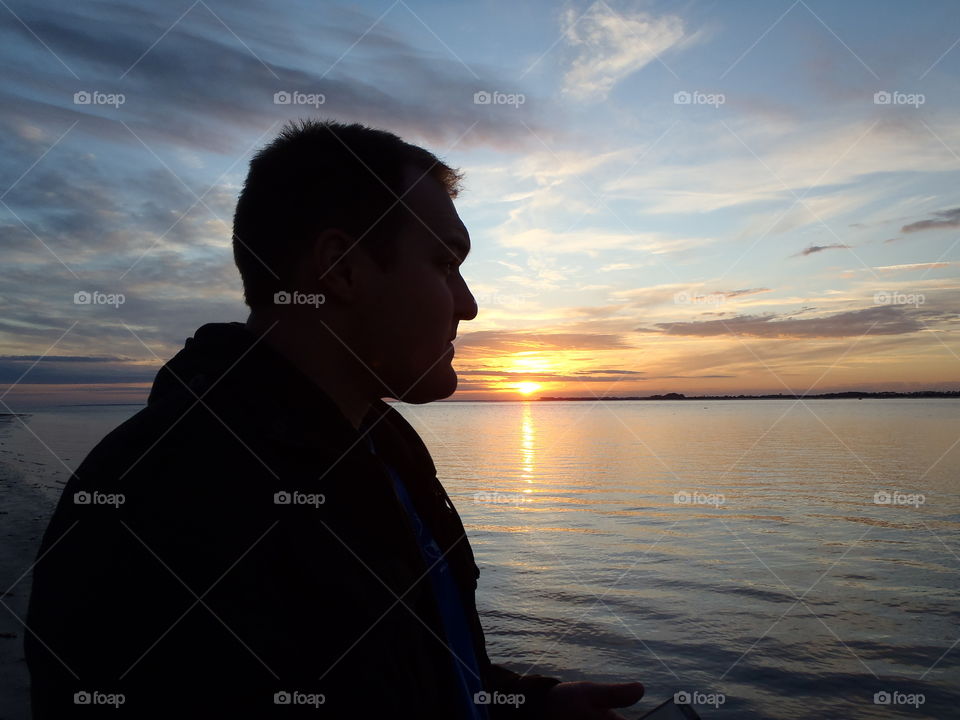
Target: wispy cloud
(541,239)
(881,320)
(611,46)
(944,219)
(820,248)
(500,341)
(914,266)
(739,293)
(425,99)
(66,369)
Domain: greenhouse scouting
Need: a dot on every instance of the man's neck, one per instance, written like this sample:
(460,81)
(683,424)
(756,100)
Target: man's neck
(325,365)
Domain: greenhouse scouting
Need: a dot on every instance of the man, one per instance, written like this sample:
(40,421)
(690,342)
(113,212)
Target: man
(268,538)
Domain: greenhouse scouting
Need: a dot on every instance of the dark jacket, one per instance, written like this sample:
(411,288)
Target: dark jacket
(187,585)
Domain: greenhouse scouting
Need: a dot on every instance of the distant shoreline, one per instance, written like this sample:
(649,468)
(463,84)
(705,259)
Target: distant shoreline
(821,396)
(852,395)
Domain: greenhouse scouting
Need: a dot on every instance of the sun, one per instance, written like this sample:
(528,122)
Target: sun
(526,388)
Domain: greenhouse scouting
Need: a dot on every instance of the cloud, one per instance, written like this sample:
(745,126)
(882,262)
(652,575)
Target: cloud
(62,358)
(881,320)
(672,293)
(800,364)
(739,293)
(493,375)
(201,89)
(944,219)
(68,370)
(699,168)
(820,248)
(540,239)
(512,341)
(609,372)
(913,266)
(611,45)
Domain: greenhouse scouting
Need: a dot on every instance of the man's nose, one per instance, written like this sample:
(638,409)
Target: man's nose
(466,305)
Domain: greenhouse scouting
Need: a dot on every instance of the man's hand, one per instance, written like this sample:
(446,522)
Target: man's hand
(589,700)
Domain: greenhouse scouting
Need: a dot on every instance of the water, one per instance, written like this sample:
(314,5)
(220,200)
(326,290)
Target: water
(48,445)
(732,550)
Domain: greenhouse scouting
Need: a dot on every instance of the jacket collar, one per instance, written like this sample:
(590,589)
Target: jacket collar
(238,375)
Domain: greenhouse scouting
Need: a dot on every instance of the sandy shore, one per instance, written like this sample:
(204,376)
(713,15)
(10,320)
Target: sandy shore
(24,513)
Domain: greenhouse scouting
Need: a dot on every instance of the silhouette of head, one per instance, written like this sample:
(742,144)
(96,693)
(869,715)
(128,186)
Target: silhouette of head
(349,235)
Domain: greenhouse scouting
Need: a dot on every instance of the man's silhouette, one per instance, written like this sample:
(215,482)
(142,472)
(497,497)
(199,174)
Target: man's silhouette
(283,547)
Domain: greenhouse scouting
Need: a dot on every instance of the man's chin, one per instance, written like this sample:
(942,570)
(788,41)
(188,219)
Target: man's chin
(437,385)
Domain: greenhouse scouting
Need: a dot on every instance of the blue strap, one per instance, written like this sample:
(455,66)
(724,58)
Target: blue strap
(449,602)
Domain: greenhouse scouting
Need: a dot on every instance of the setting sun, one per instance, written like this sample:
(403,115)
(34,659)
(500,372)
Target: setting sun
(528,387)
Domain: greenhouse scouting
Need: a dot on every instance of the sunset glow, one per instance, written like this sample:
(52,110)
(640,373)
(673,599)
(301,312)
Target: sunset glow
(697,198)
(527,388)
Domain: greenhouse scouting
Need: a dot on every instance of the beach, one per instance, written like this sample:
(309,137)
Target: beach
(24,512)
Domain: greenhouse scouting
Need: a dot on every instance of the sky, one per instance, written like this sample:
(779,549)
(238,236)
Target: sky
(697,197)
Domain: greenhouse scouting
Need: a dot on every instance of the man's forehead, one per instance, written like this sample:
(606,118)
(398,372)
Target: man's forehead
(435,213)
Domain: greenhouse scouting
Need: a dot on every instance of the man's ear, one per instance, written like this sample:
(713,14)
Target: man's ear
(334,264)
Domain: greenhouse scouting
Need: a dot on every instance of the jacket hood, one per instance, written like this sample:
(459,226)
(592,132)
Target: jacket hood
(236,374)
(205,356)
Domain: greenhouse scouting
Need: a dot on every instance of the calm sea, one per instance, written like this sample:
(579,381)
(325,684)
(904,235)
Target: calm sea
(769,559)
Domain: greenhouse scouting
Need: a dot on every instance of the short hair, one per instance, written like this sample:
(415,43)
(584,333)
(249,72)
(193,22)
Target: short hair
(317,175)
